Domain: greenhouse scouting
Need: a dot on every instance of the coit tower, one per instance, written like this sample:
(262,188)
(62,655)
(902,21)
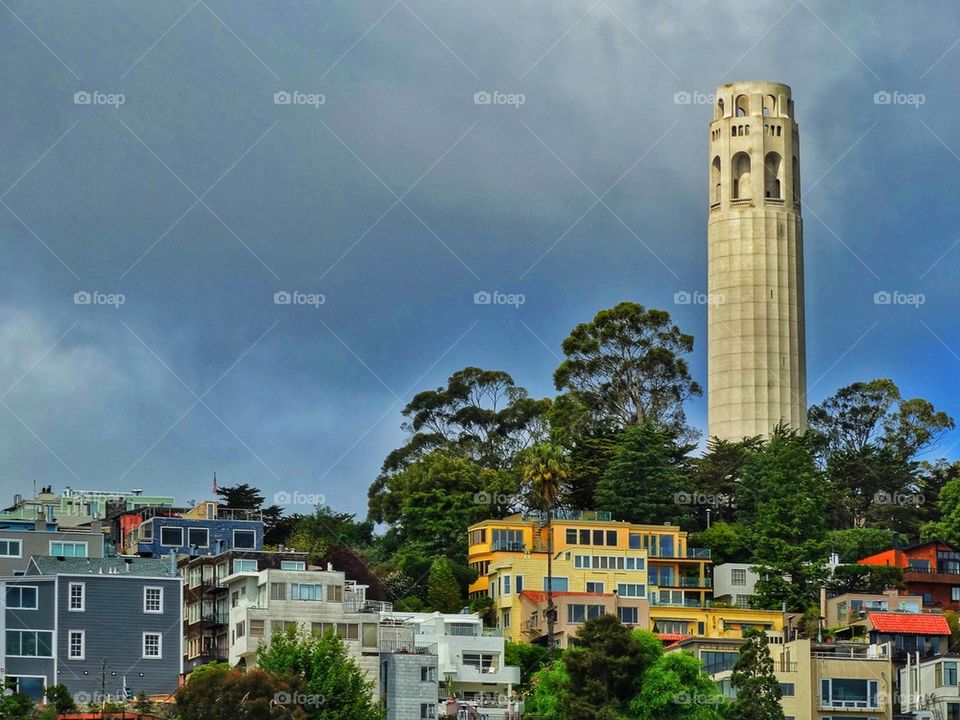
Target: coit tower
(756,365)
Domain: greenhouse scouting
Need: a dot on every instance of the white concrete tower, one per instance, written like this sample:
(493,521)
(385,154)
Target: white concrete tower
(757,352)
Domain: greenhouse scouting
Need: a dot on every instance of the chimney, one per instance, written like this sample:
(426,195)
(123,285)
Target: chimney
(40,524)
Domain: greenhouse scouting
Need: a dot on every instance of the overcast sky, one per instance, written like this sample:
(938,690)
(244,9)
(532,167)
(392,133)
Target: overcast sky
(176,180)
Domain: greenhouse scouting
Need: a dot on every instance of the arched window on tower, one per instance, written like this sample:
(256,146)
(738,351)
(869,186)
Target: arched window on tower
(742,106)
(715,180)
(796,181)
(769,105)
(733,131)
(746,129)
(719,111)
(741,176)
(772,175)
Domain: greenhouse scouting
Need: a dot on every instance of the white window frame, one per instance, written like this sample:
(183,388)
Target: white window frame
(285,564)
(244,530)
(83,597)
(238,561)
(172,527)
(83,645)
(205,531)
(146,590)
(53,641)
(36,596)
(85,545)
(8,554)
(159,655)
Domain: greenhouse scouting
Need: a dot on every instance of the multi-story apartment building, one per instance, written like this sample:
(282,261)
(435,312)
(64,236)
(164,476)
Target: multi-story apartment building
(676,573)
(206,602)
(819,681)
(930,689)
(78,508)
(930,569)
(315,601)
(94,625)
(19,541)
(409,676)
(470,663)
(205,529)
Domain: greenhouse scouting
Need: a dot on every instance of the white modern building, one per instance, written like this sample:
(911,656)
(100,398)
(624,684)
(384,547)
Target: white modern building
(312,601)
(734,583)
(930,689)
(471,670)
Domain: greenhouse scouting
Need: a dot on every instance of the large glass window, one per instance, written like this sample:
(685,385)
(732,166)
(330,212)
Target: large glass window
(10,548)
(634,541)
(244,565)
(628,615)
(30,643)
(293,565)
(21,597)
(171,536)
(244,539)
(303,591)
(199,537)
(715,661)
(559,584)
(504,539)
(849,693)
(68,549)
(631,590)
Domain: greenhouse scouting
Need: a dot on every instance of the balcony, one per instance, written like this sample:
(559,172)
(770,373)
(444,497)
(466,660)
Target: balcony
(405,647)
(214,619)
(359,605)
(694,583)
(691,554)
(942,574)
(488,675)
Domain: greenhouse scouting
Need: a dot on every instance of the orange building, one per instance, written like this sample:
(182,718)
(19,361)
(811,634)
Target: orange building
(930,569)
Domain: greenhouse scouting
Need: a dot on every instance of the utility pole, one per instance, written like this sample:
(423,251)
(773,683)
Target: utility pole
(103,683)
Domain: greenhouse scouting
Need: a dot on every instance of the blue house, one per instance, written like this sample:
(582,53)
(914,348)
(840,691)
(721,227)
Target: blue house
(90,623)
(206,529)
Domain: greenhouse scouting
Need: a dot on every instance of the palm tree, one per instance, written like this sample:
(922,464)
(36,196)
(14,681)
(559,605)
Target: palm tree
(546,469)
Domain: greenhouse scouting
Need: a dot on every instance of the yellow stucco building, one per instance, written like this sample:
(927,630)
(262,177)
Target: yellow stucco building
(647,575)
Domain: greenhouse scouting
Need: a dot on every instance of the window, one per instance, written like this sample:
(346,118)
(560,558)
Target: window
(68,549)
(788,689)
(598,537)
(571,536)
(302,591)
(428,673)
(628,615)
(256,628)
(21,597)
(478,536)
(480,661)
(919,565)
(673,627)
(716,661)
(612,537)
(369,635)
(171,536)
(199,537)
(741,175)
(506,584)
(334,593)
(77,597)
(505,622)
(849,693)
(29,643)
(10,548)
(195,577)
(594,587)
(245,539)
(634,541)
(631,590)
(282,626)
(76,643)
(558,584)
(946,674)
(193,612)
(278,591)
(519,584)
(584,537)
(738,577)
(152,646)
(955,593)
(293,565)
(153,600)
(244,566)
(578,613)
(427,710)
(507,540)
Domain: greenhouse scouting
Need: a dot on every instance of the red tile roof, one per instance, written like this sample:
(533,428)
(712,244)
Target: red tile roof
(909,623)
